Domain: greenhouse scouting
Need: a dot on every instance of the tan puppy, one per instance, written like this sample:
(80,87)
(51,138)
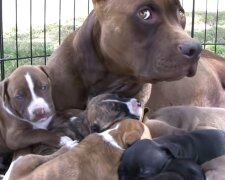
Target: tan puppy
(170,120)
(215,169)
(96,157)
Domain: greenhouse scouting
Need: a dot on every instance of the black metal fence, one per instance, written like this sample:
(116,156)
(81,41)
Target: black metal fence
(36,43)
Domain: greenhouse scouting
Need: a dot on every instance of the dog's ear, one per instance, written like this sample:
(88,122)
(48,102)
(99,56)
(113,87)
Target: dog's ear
(173,149)
(4,92)
(130,137)
(45,70)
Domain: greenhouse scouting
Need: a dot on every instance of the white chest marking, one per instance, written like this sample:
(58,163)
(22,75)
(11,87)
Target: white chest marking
(41,124)
(108,138)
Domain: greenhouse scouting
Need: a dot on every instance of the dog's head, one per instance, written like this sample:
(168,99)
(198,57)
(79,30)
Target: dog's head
(106,109)
(124,133)
(146,158)
(146,39)
(26,94)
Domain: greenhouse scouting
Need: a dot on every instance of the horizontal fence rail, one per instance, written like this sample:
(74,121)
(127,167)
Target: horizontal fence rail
(35,28)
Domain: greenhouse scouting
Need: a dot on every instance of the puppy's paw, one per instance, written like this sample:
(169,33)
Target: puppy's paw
(64,140)
(72,144)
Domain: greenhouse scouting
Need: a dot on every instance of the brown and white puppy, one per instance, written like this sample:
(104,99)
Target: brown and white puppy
(26,108)
(101,113)
(123,39)
(175,119)
(215,169)
(96,157)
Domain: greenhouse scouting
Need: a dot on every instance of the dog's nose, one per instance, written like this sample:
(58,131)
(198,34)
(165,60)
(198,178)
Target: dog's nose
(39,112)
(191,50)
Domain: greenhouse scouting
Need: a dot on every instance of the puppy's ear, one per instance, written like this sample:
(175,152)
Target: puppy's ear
(130,137)
(45,70)
(174,149)
(4,92)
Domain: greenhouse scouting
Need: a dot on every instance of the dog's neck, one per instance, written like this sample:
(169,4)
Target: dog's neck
(106,75)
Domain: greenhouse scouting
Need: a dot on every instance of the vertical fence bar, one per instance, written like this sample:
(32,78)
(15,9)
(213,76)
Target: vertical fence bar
(193,19)
(17,49)
(45,46)
(206,18)
(88,6)
(31,34)
(217,19)
(60,3)
(74,15)
(1,43)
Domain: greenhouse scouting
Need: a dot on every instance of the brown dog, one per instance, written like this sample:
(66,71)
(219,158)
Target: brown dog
(117,50)
(26,110)
(206,88)
(96,157)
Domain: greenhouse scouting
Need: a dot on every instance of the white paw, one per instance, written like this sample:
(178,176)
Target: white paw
(72,144)
(64,140)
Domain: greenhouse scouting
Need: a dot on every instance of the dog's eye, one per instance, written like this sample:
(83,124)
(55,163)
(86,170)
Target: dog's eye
(19,97)
(181,13)
(44,87)
(145,13)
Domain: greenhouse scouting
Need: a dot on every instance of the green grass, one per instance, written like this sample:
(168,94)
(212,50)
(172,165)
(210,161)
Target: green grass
(52,39)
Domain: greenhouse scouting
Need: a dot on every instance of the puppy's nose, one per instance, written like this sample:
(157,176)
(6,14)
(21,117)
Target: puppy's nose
(190,50)
(39,112)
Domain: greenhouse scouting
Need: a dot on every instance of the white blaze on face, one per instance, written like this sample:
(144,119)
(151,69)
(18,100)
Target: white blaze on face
(132,106)
(36,102)
(108,137)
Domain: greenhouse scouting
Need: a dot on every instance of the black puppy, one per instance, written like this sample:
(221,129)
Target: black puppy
(146,158)
(179,169)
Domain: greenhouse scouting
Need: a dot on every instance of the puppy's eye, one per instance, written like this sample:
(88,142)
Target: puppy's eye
(145,13)
(19,97)
(44,87)
(181,13)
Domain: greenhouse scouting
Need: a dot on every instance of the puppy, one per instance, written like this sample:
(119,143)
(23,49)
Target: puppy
(179,169)
(26,109)
(170,120)
(96,157)
(101,113)
(153,156)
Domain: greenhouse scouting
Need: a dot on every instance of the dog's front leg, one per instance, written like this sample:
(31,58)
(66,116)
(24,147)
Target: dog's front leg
(24,138)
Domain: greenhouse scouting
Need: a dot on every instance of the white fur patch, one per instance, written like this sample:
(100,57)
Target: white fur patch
(65,141)
(71,144)
(73,118)
(41,124)
(7,175)
(36,101)
(108,138)
(137,111)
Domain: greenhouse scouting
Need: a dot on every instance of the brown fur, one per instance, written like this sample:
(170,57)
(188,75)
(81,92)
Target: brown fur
(17,133)
(93,158)
(206,88)
(115,50)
